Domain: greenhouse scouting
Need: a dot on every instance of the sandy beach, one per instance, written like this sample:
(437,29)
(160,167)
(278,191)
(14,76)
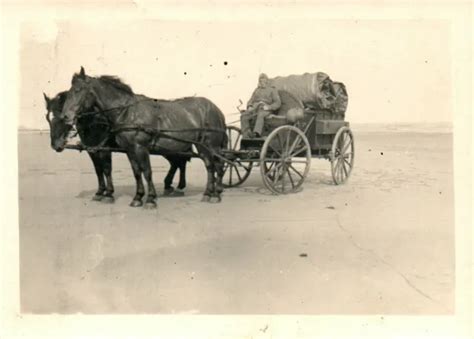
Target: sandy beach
(383,243)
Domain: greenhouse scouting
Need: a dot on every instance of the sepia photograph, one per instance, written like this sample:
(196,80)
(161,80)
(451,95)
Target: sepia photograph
(262,165)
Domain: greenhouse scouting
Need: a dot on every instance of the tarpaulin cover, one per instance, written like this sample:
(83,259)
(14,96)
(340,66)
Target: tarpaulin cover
(291,107)
(315,90)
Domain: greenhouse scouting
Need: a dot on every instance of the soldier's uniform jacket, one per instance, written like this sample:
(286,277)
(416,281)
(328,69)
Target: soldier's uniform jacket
(269,95)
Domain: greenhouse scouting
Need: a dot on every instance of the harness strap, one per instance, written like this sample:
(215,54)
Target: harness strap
(154,132)
(165,136)
(150,130)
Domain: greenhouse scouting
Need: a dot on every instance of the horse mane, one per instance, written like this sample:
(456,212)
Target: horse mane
(117,83)
(112,80)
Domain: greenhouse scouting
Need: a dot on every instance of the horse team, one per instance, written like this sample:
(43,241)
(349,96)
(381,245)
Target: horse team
(107,113)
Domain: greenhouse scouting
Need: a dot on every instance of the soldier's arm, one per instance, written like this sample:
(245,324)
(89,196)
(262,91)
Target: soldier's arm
(276,101)
(252,98)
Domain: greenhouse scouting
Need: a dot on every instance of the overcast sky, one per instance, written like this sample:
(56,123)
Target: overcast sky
(394,71)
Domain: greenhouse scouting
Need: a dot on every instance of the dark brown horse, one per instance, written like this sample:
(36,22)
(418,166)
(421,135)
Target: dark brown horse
(141,124)
(92,131)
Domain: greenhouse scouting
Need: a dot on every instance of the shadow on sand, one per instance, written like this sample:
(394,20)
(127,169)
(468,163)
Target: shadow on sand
(129,190)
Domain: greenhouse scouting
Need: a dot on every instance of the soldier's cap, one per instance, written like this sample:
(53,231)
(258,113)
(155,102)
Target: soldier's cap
(263,76)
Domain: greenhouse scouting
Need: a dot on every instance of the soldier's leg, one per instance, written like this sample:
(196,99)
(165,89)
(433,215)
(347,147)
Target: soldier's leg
(260,121)
(245,123)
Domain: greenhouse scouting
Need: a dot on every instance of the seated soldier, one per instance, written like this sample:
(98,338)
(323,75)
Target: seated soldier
(265,100)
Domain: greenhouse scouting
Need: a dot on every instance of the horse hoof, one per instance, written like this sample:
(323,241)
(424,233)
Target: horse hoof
(97,197)
(205,198)
(136,203)
(215,200)
(108,200)
(150,205)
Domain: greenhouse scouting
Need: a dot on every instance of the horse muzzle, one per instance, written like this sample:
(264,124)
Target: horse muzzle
(59,146)
(58,149)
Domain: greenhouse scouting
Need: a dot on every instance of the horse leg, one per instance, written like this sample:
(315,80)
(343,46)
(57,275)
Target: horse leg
(100,176)
(181,164)
(107,166)
(219,168)
(182,175)
(137,200)
(210,179)
(170,176)
(217,186)
(145,165)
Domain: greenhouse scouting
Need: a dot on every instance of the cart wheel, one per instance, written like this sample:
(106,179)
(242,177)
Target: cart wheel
(237,172)
(285,160)
(342,155)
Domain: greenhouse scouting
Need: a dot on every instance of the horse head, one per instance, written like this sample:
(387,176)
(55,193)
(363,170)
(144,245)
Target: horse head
(60,125)
(104,93)
(58,129)
(79,98)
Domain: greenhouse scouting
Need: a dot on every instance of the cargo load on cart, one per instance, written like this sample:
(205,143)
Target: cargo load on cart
(315,91)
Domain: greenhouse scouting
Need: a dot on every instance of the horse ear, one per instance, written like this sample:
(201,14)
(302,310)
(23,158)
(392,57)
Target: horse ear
(47,99)
(82,73)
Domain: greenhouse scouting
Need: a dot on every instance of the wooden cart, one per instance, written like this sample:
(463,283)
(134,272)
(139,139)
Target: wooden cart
(285,151)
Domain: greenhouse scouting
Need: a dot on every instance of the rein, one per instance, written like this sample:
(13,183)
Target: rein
(154,132)
(150,130)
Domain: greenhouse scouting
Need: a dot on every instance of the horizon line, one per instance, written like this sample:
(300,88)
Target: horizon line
(25,128)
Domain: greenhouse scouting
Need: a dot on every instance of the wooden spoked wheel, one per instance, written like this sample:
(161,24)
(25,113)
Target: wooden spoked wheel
(237,172)
(342,155)
(285,160)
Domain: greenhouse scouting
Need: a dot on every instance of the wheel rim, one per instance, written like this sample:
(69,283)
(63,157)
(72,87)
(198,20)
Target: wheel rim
(285,160)
(342,155)
(237,172)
